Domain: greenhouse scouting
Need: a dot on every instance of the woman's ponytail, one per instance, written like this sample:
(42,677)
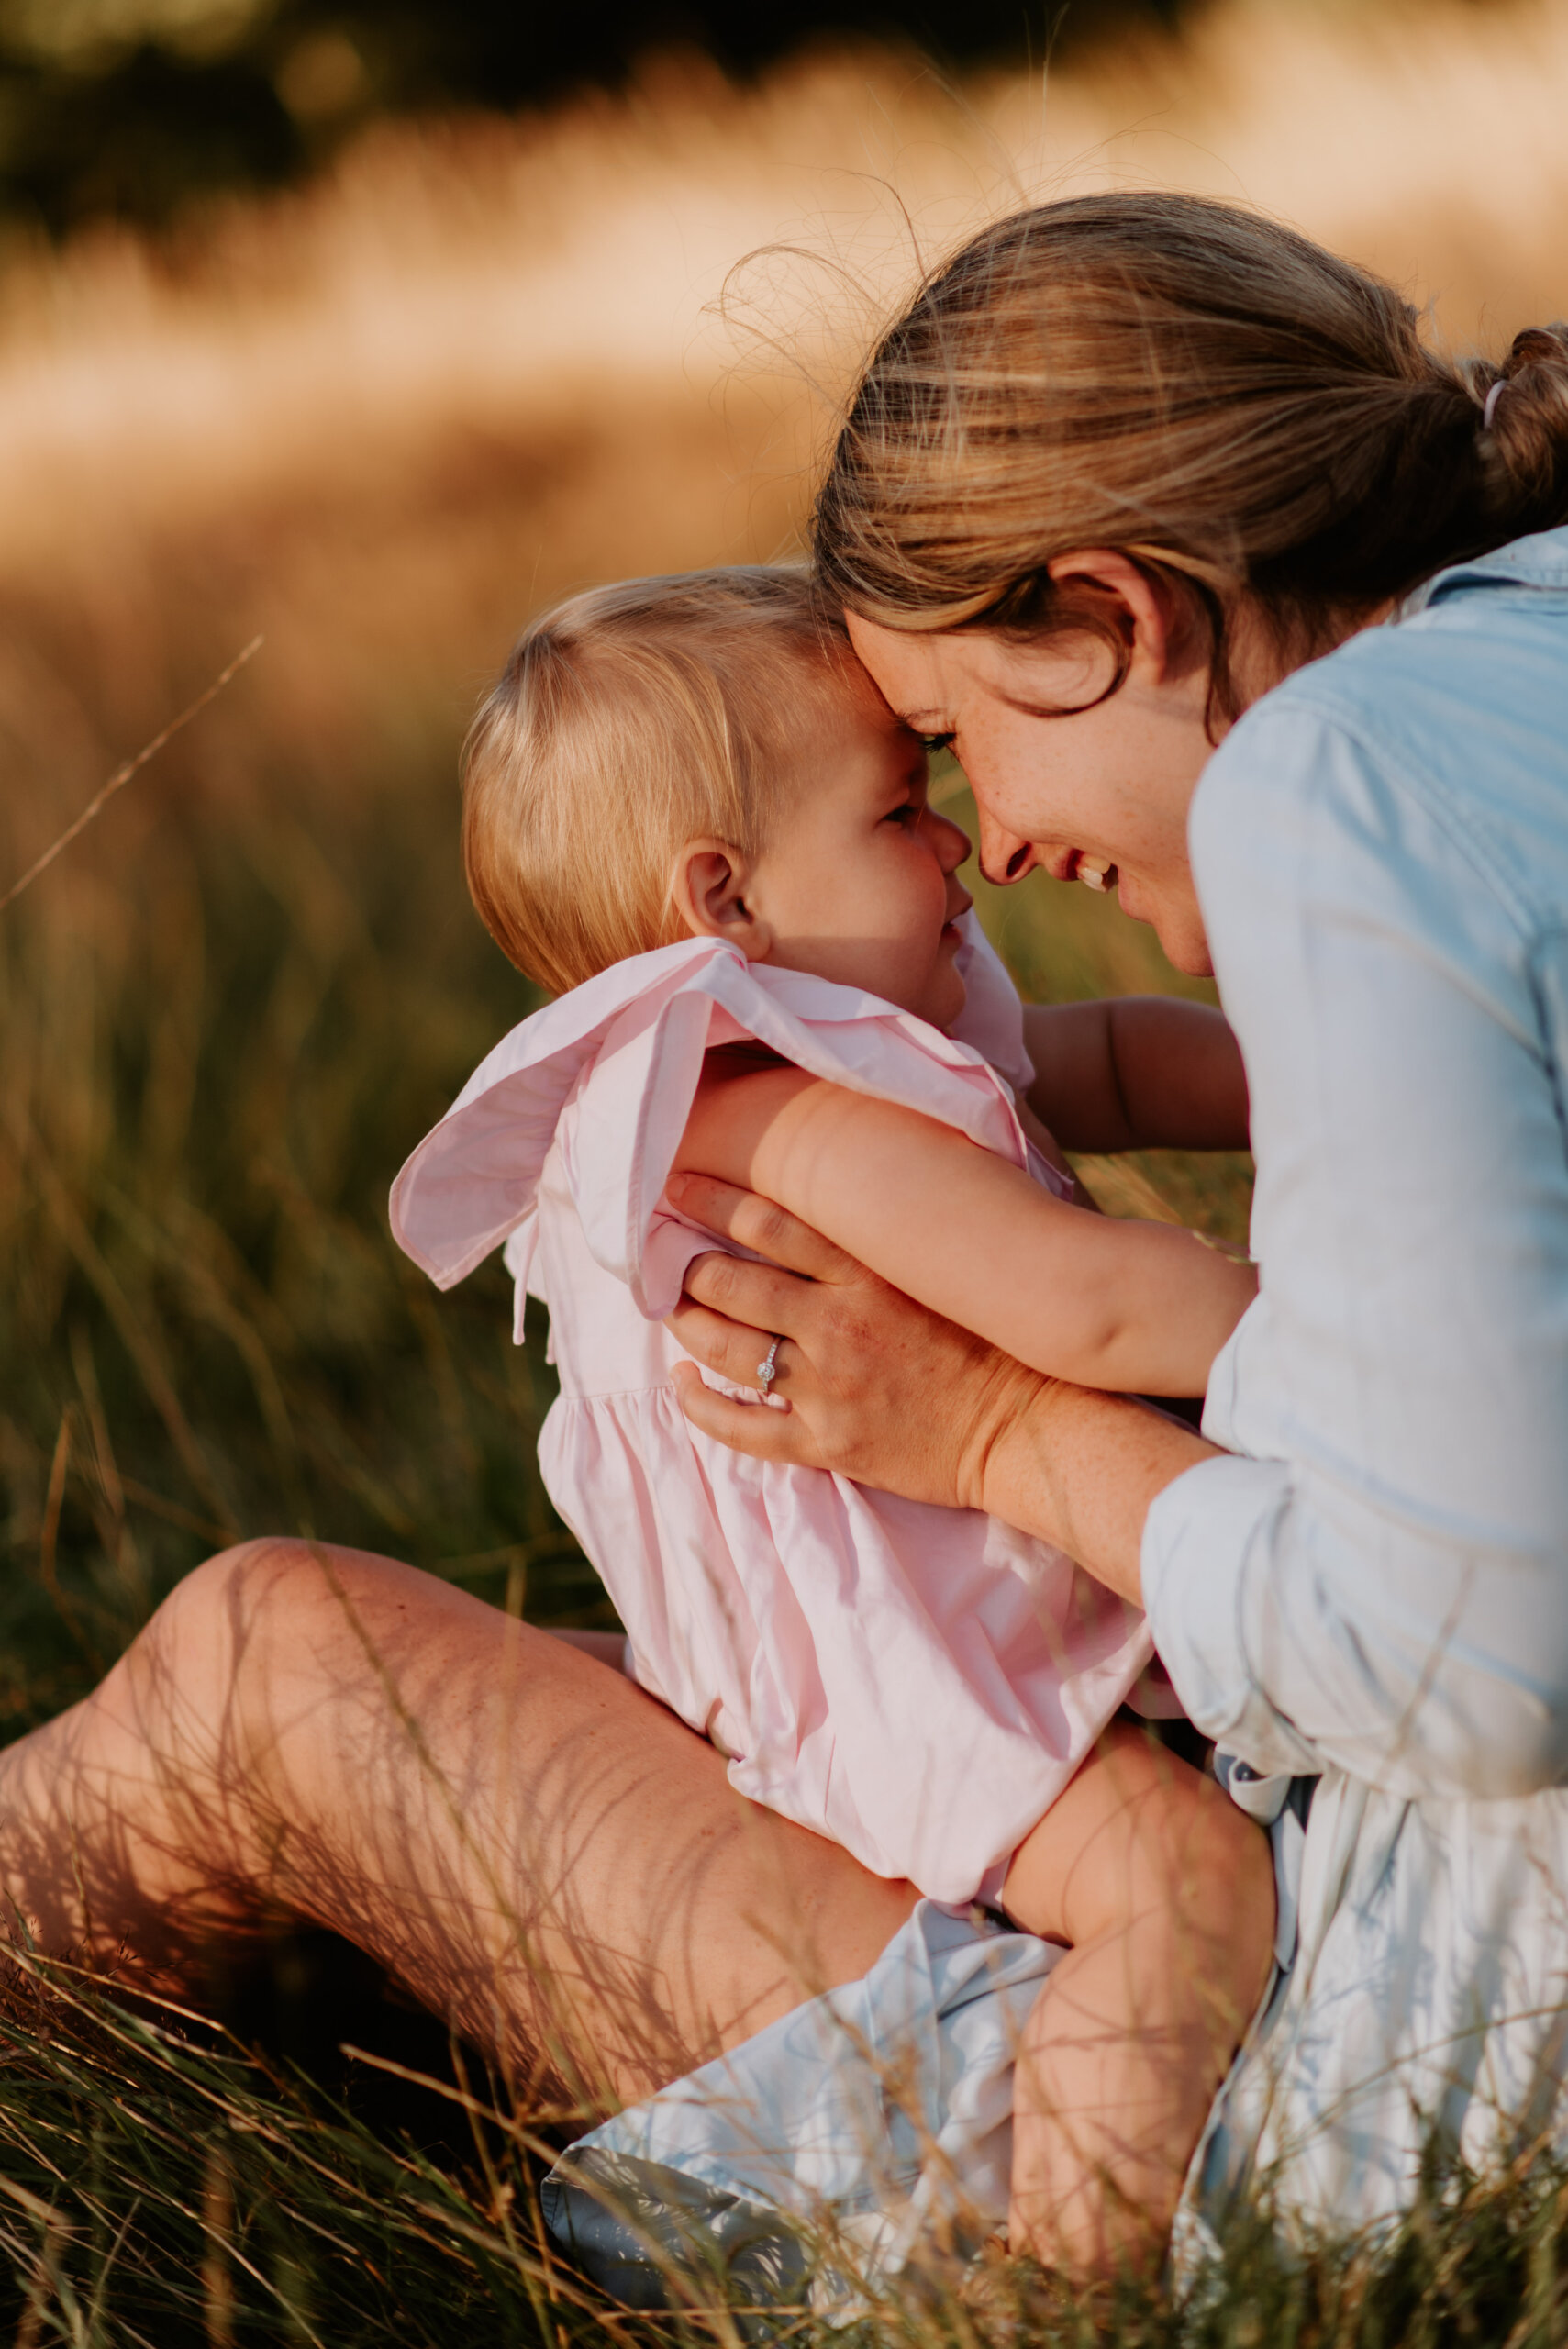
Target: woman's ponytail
(1523,430)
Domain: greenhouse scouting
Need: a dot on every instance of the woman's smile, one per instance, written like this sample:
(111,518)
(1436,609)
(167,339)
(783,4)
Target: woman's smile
(1084,788)
(1097,873)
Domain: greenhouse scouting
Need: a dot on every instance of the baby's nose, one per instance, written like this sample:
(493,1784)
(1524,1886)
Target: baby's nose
(952,843)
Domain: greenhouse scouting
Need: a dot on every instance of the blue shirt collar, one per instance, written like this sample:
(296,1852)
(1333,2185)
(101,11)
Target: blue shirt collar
(1539,561)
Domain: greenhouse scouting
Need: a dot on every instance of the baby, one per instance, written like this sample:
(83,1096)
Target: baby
(690,815)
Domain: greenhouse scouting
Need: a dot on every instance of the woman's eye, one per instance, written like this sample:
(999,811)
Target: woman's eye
(936,741)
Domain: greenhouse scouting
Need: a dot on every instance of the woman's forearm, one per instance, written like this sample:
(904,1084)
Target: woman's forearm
(1080,1470)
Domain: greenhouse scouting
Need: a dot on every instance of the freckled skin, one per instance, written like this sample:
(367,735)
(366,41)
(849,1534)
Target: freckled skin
(1112,779)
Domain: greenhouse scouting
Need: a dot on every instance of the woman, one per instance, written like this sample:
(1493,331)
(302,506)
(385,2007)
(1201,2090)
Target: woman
(1124,466)
(1130,468)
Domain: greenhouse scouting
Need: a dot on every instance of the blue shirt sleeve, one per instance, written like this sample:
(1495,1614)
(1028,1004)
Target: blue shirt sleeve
(1380,1579)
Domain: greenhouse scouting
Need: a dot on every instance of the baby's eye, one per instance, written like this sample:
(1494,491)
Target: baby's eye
(906,812)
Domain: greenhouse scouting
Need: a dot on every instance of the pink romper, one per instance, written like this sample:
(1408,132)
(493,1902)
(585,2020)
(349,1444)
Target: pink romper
(916,1683)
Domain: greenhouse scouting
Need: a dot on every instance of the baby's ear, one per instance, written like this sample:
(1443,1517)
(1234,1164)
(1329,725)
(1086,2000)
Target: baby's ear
(708,889)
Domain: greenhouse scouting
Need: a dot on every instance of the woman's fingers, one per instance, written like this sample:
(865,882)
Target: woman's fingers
(756,1223)
(735,1349)
(749,1300)
(766,1435)
(878,1388)
(732,1309)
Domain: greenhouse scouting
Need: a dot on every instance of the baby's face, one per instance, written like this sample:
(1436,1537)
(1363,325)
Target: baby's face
(858,882)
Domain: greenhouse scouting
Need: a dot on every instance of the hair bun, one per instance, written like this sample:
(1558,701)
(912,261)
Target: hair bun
(1524,428)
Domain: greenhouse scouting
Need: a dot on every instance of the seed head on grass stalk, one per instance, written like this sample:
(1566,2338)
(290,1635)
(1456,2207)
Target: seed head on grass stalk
(123,774)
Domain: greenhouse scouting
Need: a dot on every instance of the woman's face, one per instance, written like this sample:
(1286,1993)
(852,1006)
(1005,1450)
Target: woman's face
(1107,788)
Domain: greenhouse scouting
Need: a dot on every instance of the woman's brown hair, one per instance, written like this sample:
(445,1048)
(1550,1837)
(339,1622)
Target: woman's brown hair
(1214,394)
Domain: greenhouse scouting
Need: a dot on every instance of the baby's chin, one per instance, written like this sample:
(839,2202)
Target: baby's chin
(946,999)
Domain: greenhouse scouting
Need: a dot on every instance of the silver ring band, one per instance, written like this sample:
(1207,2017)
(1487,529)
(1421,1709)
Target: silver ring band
(767,1369)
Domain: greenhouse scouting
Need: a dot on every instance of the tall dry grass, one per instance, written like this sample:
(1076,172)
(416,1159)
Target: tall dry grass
(378,422)
(481,363)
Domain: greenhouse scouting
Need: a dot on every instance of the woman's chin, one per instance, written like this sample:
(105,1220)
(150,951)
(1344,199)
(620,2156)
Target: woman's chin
(1186,951)
(1179,928)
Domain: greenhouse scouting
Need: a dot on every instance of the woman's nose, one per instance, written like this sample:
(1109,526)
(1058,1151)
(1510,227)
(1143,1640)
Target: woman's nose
(1004,856)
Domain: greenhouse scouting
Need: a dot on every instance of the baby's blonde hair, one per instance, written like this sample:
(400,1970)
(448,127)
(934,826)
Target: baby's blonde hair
(627,721)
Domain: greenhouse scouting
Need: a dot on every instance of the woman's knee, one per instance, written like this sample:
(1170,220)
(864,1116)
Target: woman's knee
(194,1643)
(275,1587)
(207,1671)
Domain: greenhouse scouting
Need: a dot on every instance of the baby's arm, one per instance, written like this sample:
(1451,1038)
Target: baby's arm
(1137,1072)
(1134,1308)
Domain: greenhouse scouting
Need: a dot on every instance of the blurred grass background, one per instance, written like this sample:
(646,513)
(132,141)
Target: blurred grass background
(464,362)
(379,418)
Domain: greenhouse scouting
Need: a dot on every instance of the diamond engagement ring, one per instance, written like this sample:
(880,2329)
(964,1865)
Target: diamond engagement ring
(767,1369)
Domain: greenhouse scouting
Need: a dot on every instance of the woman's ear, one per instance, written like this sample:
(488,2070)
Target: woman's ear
(1158,619)
(708,889)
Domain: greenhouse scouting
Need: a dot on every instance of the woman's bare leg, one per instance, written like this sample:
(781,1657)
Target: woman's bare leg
(541,1853)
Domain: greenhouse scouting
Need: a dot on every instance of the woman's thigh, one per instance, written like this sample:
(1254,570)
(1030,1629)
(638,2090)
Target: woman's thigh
(535,1848)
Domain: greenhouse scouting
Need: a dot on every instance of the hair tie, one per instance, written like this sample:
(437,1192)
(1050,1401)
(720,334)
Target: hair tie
(1493,397)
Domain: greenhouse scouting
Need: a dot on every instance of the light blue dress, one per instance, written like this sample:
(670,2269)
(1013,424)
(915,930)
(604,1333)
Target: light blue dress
(1375,1586)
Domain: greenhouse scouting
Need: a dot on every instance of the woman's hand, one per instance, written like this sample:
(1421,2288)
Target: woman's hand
(1130,1306)
(878,1388)
(882,1390)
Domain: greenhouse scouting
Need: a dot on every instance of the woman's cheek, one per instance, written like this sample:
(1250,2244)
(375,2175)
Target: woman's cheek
(1033,783)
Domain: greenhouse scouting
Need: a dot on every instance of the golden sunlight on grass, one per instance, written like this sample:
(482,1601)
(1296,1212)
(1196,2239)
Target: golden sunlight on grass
(379,419)
(376,423)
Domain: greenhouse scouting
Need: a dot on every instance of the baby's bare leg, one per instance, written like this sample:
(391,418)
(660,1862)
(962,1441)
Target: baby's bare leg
(1165,1892)
(543,1854)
